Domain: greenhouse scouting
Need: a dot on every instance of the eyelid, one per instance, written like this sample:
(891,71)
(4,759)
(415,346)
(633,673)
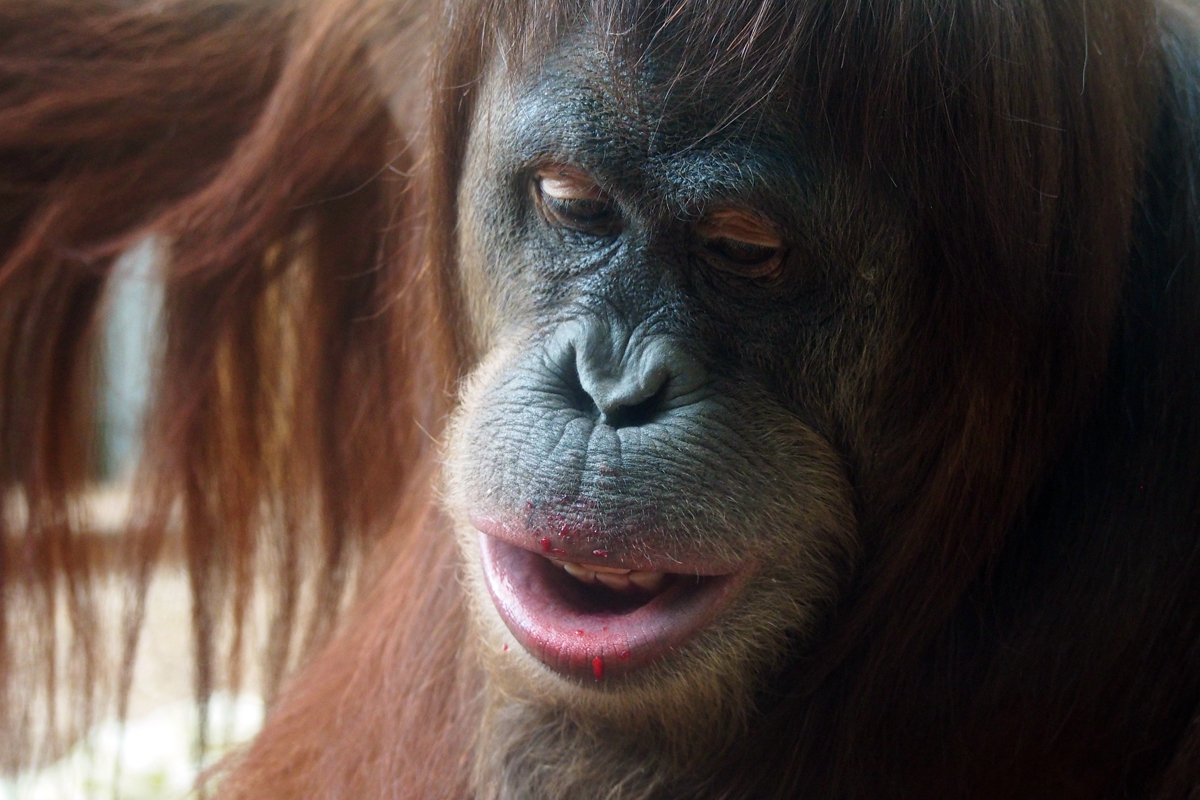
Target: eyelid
(739,226)
(564,183)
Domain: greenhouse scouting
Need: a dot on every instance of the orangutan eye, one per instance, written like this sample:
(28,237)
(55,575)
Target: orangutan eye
(569,199)
(741,243)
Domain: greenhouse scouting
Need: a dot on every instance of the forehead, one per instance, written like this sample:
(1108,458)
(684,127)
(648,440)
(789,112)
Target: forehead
(641,128)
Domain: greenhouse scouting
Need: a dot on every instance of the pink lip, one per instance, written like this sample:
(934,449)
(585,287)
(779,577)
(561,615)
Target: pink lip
(578,633)
(577,542)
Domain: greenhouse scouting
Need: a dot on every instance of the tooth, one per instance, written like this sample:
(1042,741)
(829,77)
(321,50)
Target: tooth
(617,582)
(610,570)
(580,573)
(649,581)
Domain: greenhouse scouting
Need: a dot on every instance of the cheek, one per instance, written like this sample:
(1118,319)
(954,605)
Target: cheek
(460,466)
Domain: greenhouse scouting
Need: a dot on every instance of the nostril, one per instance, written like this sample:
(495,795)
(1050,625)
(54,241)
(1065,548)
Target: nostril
(580,399)
(638,398)
(635,414)
(601,375)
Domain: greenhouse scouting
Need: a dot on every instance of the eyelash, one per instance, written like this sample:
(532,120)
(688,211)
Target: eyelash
(596,217)
(578,214)
(741,252)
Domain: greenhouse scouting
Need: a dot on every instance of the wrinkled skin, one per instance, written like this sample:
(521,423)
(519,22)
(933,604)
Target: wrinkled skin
(634,386)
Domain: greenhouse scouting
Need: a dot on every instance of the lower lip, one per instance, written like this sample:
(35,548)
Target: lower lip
(547,612)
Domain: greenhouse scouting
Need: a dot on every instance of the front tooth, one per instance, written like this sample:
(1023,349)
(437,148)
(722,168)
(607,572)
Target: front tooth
(609,570)
(650,581)
(579,573)
(612,581)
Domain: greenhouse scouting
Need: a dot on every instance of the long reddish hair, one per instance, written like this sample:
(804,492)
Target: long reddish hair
(302,370)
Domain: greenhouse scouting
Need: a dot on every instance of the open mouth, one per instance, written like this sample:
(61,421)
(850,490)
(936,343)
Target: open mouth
(598,622)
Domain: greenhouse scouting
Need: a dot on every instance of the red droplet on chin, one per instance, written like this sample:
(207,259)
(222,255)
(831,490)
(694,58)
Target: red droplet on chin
(546,545)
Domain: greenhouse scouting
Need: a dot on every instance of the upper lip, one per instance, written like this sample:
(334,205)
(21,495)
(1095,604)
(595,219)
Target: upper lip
(585,544)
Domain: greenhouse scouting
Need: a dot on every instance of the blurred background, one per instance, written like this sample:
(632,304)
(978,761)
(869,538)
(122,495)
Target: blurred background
(154,754)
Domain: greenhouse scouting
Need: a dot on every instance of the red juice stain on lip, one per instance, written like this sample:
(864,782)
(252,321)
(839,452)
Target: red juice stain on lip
(579,633)
(546,544)
(598,667)
(625,654)
(506,648)
(600,553)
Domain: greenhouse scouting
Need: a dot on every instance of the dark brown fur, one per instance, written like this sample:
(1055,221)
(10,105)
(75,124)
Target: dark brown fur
(1025,617)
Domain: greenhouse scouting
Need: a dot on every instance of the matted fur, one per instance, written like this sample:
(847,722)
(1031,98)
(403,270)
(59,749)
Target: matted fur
(311,352)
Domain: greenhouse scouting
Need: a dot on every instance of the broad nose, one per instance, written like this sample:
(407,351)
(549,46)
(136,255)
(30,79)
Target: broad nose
(625,379)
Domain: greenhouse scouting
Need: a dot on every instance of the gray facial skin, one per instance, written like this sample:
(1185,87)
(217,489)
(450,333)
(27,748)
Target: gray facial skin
(631,384)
